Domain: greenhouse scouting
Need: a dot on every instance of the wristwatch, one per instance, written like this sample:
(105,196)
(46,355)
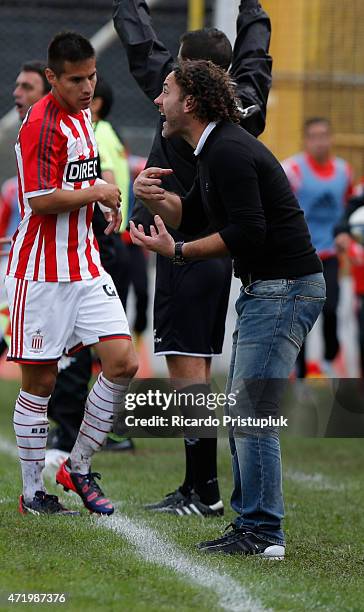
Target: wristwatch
(178,258)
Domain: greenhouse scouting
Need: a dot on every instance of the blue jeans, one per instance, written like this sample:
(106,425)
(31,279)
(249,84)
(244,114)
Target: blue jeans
(274,317)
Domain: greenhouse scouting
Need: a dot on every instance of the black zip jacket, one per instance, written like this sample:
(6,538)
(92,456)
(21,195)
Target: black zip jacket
(150,62)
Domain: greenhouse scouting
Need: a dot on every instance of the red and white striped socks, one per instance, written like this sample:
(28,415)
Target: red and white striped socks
(104,400)
(31,430)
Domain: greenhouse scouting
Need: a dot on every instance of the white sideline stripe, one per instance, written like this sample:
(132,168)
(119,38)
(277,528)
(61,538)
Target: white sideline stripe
(160,551)
(314,481)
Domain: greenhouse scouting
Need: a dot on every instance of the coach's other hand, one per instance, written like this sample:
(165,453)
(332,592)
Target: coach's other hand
(160,240)
(147,184)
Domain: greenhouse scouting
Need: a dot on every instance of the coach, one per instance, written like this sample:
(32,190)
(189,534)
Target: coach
(242,192)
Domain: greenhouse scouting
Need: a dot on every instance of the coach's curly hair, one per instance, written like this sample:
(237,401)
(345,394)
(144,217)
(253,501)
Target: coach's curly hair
(212,89)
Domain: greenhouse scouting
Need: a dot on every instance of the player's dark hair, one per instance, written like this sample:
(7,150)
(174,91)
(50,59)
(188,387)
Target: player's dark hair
(212,90)
(68,47)
(38,67)
(104,91)
(207,44)
(315,121)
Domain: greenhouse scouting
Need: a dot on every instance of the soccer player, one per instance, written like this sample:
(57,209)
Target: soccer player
(322,184)
(242,199)
(66,406)
(59,295)
(189,341)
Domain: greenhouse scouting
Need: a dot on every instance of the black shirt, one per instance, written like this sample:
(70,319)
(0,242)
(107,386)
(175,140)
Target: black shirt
(242,192)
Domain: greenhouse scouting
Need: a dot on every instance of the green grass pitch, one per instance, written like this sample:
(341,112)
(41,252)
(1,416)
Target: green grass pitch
(103,569)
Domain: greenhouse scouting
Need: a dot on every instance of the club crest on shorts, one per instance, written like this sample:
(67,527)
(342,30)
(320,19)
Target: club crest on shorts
(109,290)
(37,342)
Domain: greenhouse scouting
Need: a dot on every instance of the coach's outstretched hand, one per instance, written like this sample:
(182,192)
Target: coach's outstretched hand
(160,240)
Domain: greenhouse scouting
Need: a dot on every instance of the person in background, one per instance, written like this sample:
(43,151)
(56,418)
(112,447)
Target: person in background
(322,184)
(31,85)
(354,250)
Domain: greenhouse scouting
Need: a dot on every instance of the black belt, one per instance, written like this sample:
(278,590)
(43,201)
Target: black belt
(248,278)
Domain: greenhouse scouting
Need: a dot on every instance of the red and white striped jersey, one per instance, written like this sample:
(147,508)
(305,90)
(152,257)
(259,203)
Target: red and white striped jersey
(55,149)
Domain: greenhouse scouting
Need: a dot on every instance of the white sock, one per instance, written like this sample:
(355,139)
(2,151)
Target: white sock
(31,430)
(105,398)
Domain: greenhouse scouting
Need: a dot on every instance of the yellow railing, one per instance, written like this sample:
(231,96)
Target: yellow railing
(196,14)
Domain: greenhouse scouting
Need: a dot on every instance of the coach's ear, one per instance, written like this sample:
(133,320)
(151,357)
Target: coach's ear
(189,104)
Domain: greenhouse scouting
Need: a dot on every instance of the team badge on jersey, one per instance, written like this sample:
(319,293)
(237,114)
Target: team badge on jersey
(37,342)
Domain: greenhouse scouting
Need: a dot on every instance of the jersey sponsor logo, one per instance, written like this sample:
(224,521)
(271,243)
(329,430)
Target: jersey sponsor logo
(37,342)
(82,170)
(109,290)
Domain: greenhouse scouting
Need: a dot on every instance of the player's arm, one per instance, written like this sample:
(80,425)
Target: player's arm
(251,66)
(40,166)
(149,60)
(61,200)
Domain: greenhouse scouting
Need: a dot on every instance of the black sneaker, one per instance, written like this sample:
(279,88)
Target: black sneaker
(191,506)
(243,542)
(42,503)
(171,500)
(225,538)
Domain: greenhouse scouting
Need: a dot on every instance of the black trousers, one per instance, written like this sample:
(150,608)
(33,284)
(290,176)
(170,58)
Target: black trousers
(329,314)
(331,274)
(138,279)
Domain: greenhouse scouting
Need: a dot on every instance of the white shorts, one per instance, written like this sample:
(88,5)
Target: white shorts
(48,319)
